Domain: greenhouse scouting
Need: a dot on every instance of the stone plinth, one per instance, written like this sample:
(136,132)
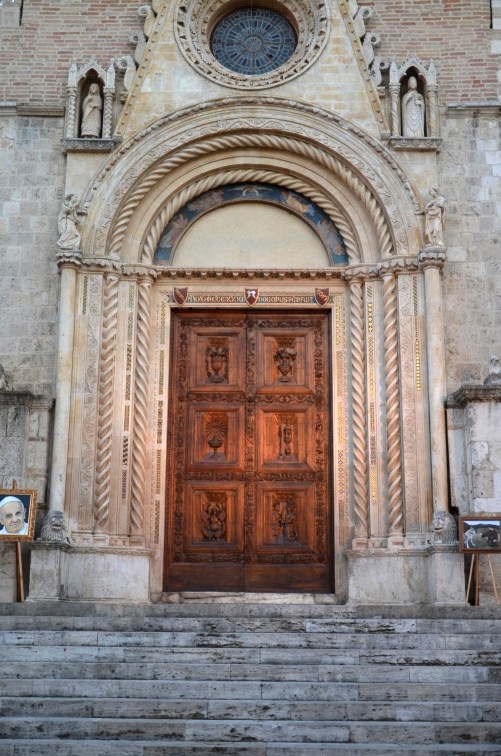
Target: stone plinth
(420,576)
(61,571)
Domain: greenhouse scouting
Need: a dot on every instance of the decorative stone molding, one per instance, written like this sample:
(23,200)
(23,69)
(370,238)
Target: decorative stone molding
(89,145)
(195,21)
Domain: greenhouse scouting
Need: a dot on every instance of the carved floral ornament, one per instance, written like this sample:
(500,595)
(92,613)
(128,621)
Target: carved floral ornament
(195,23)
(358,166)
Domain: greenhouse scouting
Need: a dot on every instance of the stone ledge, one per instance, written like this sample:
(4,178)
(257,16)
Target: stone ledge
(90,145)
(479,393)
(428,144)
(12,398)
(470,109)
(70,548)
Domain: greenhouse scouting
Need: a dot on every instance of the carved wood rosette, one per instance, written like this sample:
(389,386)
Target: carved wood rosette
(249,454)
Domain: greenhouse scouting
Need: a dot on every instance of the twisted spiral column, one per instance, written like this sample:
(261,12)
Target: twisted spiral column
(359,411)
(395,109)
(71,112)
(109,96)
(394,464)
(140,408)
(106,396)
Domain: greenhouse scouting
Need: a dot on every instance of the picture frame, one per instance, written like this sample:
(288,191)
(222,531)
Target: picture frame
(12,501)
(480,534)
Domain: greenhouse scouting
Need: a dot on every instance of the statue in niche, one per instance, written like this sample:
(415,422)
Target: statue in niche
(435,219)
(91,113)
(412,111)
(494,374)
(69,238)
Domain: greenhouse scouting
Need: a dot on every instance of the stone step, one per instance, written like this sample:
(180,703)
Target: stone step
(332,638)
(187,748)
(435,671)
(126,708)
(277,731)
(288,605)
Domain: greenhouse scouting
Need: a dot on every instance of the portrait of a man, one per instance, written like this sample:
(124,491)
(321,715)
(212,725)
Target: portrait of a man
(17,514)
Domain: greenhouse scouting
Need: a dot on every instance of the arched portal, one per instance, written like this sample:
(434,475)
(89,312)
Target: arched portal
(377,483)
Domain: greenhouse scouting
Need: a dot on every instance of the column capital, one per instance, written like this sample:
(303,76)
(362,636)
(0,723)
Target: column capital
(432,257)
(68,258)
(142,273)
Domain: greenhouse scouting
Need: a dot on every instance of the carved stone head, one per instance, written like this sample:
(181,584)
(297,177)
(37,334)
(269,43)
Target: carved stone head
(444,528)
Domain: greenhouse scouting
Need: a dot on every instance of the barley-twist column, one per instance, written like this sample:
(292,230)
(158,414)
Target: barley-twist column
(432,97)
(71,112)
(359,414)
(394,462)
(109,96)
(394,99)
(140,433)
(106,398)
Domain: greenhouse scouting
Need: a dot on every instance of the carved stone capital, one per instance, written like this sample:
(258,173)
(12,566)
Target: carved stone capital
(398,267)
(68,258)
(140,272)
(111,264)
(432,257)
(360,273)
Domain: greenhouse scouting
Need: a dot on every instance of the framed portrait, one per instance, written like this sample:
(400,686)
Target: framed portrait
(17,515)
(480,534)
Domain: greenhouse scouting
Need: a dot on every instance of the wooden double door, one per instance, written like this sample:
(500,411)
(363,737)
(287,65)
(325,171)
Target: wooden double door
(248,488)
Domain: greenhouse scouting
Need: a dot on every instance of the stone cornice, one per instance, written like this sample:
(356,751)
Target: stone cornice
(70,548)
(474,393)
(38,110)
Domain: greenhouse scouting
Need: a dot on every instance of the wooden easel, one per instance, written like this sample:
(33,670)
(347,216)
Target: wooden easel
(475,562)
(19,561)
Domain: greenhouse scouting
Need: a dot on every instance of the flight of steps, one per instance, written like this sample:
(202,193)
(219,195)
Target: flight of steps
(251,679)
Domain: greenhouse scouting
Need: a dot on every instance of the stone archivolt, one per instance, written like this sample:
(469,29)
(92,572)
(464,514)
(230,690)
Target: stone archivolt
(354,181)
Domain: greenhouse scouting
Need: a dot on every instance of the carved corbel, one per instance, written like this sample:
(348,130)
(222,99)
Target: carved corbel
(149,19)
(363,14)
(139,40)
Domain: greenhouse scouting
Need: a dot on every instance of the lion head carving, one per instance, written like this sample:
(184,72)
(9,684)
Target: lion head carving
(444,528)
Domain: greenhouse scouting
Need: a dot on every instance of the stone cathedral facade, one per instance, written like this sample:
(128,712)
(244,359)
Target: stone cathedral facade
(251,293)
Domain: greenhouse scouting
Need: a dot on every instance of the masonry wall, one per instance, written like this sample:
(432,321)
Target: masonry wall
(35,56)
(30,199)
(470,179)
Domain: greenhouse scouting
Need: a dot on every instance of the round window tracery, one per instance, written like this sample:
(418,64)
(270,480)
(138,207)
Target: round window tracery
(253,41)
(207,33)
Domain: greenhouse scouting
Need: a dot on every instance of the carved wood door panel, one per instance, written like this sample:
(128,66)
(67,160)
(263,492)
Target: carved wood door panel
(248,504)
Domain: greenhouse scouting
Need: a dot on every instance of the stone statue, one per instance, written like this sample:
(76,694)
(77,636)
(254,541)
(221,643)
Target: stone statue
(412,111)
(69,238)
(91,113)
(444,528)
(494,374)
(53,528)
(434,223)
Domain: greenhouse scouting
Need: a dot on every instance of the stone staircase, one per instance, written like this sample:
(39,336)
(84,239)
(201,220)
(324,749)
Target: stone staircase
(250,679)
